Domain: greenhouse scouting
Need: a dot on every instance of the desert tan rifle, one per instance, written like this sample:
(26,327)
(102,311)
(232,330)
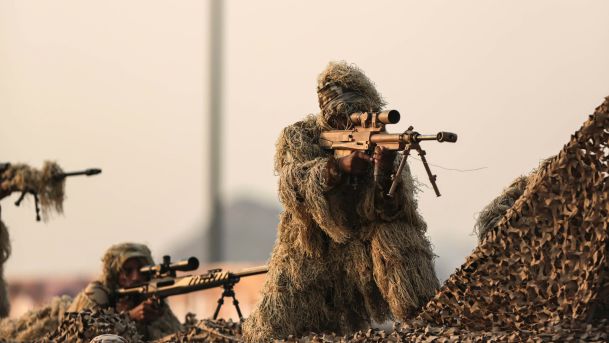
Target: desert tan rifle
(369,131)
(164,282)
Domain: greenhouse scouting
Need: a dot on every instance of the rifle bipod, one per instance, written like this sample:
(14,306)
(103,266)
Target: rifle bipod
(228,292)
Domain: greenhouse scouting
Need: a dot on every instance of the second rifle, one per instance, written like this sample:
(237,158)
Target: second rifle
(164,282)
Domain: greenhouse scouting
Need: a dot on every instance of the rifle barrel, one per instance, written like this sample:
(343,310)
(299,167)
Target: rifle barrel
(426,137)
(87,172)
(386,138)
(252,271)
(442,136)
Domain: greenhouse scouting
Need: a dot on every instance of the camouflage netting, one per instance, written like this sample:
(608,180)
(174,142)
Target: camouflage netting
(19,178)
(206,331)
(428,333)
(543,267)
(51,324)
(82,327)
(344,254)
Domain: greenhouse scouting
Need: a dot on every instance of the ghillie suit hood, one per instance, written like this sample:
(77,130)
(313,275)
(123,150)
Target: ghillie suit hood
(50,192)
(101,293)
(116,256)
(345,254)
(343,89)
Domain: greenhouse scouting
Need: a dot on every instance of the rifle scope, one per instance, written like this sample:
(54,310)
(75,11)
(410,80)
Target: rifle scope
(385,117)
(167,267)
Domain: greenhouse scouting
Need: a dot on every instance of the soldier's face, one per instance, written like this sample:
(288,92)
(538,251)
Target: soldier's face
(130,275)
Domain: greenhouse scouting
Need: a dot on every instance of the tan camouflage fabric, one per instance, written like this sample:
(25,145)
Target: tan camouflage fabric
(345,254)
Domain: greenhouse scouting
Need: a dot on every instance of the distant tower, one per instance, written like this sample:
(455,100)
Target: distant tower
(215,233)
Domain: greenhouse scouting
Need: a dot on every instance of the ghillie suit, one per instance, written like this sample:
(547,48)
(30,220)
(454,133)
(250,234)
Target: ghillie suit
(101,293)
(36,323)
(345,253)
(542,271)
(50,192)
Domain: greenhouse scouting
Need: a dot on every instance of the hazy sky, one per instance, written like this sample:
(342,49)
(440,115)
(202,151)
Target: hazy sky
(122,85)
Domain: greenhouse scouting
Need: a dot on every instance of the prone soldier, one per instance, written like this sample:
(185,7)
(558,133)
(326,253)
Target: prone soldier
(121,269)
